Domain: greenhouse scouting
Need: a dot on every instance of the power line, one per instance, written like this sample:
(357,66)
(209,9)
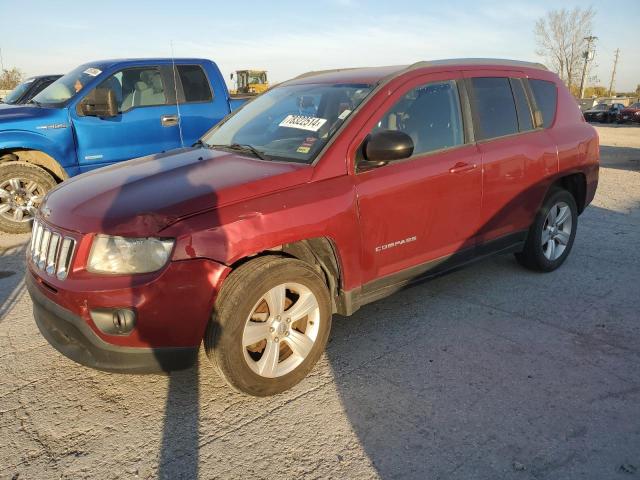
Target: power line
(613,74)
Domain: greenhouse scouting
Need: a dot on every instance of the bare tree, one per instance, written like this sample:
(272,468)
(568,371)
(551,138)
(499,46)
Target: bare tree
(561,39)
(10,78)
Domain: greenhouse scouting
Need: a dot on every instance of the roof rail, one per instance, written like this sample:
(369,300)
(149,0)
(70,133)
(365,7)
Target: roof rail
(477,61)
(320,72)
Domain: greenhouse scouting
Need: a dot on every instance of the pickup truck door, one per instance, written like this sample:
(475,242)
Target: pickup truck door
(147,121)
(420,211)
(202,100)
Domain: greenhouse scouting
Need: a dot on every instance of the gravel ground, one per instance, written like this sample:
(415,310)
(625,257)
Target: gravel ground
(490,372)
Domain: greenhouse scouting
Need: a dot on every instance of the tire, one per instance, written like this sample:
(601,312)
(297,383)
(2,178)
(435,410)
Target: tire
(31,183)
(241,308)
(539,255)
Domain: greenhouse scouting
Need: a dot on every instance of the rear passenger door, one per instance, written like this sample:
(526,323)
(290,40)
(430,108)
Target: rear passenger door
(517,155)
(199,108)
(425,207)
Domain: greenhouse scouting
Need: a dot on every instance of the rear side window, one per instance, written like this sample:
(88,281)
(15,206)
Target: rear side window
(194,83)
(525,121)
(430,115)
(546,96)
(494,106)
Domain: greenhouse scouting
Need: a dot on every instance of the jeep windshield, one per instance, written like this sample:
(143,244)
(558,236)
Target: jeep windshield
(289,123)
(63,89)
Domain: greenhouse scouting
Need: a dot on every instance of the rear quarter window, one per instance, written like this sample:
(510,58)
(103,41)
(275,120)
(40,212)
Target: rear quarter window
(546,96)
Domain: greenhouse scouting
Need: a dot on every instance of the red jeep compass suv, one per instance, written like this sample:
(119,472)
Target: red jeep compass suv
(330,191)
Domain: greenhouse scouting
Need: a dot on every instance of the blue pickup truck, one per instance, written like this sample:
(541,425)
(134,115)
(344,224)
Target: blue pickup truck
(98,114)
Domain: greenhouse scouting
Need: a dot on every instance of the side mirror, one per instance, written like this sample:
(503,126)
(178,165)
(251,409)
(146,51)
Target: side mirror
(385,146)
(100,102)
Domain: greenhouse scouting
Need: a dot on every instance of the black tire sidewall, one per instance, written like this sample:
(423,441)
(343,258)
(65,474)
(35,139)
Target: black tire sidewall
(536,242)
(232,310)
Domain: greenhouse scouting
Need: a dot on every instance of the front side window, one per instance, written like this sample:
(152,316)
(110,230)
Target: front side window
(430,115)
(194,83)
(291,123)
(546,97)
(137,87)
(495,108)
(67,86)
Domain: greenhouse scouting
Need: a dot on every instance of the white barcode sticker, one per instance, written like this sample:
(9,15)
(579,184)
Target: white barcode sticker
(302,122)
(94,72)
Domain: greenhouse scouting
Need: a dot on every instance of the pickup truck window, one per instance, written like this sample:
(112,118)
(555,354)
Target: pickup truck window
(430,115)
(137,87)
(65,88)
(494,107)
(194,83)
(290,123)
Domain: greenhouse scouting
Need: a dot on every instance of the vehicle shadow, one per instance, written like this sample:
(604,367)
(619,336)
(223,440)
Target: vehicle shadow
(620,158)
(468,376)
(11,279)
(179,451)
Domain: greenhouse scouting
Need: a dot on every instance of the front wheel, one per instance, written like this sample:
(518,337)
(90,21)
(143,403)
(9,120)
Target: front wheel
(22,189)
(270,325)
(552,233)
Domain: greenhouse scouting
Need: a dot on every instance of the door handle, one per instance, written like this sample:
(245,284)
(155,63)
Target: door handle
(168,120)
(462,167)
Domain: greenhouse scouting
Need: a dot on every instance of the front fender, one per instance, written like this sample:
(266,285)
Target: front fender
(58,144)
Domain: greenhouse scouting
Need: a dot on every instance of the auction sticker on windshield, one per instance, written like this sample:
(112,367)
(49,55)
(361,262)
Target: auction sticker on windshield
(94,72)
(302,122)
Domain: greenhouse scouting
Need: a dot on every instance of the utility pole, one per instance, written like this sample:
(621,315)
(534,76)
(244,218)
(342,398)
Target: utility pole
(613,74)
(588,56)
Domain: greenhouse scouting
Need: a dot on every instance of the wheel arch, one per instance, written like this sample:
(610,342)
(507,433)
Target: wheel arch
(36,157)
(576,184)
(319,252)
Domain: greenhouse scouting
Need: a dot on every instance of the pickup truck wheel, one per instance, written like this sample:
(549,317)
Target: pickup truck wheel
(552,234)
(270,325)
(22,189)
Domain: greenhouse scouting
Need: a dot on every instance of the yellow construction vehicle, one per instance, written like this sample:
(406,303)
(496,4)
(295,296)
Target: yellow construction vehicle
(250,82)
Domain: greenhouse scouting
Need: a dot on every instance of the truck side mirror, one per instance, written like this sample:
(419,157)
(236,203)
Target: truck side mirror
(385,146)
(100,102)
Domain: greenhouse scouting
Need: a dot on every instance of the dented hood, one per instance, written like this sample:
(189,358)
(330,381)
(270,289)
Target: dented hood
(140,197)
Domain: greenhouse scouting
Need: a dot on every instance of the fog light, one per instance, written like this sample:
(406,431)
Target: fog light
(114,321)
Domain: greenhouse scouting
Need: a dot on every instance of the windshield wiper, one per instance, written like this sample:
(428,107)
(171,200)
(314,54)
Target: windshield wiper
(200,143)
(242,148)
(35,102)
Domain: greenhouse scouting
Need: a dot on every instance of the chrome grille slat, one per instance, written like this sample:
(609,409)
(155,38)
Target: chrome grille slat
(51,251)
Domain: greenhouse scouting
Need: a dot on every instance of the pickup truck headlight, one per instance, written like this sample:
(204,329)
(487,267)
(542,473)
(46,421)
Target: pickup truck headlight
(128,255)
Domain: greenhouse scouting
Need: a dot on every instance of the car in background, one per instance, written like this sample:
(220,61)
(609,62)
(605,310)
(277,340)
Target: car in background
(101,113)
(603,113)
(630,114)
(28,89)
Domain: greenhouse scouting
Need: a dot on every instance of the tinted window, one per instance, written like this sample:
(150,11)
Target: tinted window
(546,96)
(194,83)
(495,107)
(430,115)
(525,121)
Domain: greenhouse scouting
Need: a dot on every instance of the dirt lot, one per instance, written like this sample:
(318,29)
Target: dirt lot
(491,372)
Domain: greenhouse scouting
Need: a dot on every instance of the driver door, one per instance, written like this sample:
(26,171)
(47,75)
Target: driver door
(146,123)
(422,212)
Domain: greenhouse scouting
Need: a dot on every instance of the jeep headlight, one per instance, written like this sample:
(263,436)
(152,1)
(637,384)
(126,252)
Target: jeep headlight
(128,255)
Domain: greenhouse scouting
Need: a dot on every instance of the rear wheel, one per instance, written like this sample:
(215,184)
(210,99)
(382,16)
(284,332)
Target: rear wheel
(22,189)
(552,234)
(270,325)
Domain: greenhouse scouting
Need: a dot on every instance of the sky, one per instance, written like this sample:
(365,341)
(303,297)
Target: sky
(287,38)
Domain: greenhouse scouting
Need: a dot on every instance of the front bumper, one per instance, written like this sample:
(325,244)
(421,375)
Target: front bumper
(72,336)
